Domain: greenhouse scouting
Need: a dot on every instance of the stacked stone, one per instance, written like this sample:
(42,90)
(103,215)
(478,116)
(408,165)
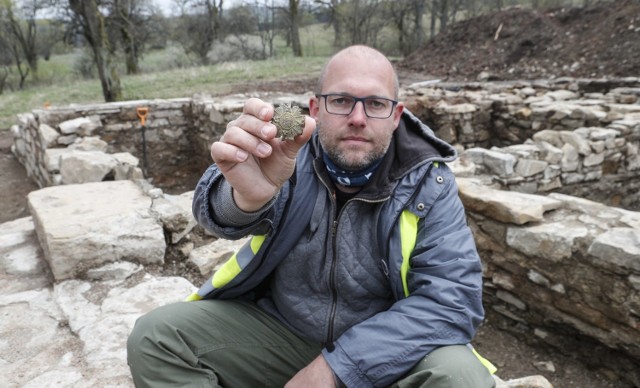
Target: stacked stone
(456,119)
(104,138)
(562,269)
(553,159)
(545,136)
(484,115)
(91,143)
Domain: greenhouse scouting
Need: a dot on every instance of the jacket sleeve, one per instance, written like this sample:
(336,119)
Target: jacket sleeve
(444,305)
(205,214)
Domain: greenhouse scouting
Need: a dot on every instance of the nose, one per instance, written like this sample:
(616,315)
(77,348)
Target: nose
(358,116)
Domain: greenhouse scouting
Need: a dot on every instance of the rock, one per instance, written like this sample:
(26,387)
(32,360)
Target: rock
(550,241)
(90,143)
(208,257)
(578,142)
(85,226)
(48,135)
(35,344)
(497,163)
(52,158)
(21,259)
(505,206)
(85,166)
(530,167)
(617,247)
(83,126)
(545,366)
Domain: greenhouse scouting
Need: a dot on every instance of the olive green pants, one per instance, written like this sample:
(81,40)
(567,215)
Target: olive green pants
(234,344)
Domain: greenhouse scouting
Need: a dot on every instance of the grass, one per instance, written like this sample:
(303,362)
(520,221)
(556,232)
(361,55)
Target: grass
(184,82)
(165,74)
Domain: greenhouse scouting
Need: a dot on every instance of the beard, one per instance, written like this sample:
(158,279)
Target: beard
(346,159)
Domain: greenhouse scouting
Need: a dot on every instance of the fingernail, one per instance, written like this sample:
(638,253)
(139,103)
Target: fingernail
(263,113)
(263,149)
(242,155)
(267,130)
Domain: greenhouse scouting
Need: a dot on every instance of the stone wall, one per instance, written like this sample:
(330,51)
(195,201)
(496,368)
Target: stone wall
(575,137)
(561,270)
(107,141)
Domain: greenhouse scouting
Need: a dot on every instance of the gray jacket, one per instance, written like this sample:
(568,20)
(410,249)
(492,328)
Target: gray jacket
(392,276)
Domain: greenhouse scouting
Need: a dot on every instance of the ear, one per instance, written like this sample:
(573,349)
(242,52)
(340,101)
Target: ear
(397,113)
(314,107)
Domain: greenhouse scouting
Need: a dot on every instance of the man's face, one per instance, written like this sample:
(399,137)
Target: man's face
(354,141)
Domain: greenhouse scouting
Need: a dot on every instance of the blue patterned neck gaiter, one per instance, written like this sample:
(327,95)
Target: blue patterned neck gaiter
(350,178)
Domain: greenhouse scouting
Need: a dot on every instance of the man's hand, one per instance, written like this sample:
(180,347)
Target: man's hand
(317,374)
(254,162)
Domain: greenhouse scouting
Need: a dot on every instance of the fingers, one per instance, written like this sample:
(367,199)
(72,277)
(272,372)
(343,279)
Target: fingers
(247,135)
(257,108)
(292,147)
(252,133)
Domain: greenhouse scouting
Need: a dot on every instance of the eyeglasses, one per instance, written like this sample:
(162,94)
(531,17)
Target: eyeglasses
(343,104)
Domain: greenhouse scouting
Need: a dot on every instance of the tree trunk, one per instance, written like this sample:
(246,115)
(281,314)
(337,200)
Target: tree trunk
(418,34)
(294,14)
(26,39)
(128,38)
(95,32)
(432,28)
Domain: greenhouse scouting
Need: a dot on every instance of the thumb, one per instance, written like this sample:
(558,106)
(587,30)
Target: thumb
(291,148)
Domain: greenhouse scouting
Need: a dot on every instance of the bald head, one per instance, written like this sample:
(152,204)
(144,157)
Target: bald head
(359,57)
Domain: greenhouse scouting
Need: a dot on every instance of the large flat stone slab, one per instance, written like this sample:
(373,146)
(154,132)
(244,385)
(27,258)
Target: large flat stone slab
(84,226)
(505,206)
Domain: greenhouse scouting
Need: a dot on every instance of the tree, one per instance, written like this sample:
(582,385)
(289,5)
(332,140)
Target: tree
(20,30)
(407,17)
(354,21)
(124,19)
(199,26)
(94,30)
(294,24)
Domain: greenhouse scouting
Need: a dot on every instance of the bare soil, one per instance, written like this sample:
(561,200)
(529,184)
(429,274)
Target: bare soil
(518,43)
(601,41)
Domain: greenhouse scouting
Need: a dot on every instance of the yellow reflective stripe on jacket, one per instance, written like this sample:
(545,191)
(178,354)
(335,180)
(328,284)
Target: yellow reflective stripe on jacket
(227,272)
(237,262)
(408,236)
(193,297)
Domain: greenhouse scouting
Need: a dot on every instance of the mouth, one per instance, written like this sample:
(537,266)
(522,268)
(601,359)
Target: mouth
(354,139)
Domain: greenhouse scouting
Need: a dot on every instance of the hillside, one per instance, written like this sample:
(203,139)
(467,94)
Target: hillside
(518,43)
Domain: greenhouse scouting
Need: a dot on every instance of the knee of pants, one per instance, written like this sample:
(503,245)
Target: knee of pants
(149,330)
(139,336)
(456,366)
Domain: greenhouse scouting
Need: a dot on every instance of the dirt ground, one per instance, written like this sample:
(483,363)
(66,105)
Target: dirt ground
(517,43)
(514,44)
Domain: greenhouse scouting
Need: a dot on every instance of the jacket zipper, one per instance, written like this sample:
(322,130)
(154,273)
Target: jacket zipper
(334,259)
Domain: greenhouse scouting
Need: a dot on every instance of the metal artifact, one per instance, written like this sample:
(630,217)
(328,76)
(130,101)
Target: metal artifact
(289,121)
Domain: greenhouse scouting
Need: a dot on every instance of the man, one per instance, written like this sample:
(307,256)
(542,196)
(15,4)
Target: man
(361,272)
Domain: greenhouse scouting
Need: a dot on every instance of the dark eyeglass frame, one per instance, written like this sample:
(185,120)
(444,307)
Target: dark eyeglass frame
(355,101)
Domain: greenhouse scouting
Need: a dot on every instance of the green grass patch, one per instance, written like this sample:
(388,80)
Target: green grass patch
(184,82)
